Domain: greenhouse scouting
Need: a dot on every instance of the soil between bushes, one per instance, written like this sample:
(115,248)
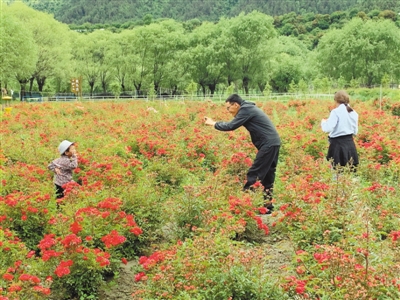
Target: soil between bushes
(279,248)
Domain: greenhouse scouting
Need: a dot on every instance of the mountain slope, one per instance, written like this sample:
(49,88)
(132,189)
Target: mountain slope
(120,11)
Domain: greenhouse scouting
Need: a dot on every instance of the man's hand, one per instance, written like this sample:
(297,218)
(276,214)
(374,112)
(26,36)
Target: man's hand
(209,121)
(58,171)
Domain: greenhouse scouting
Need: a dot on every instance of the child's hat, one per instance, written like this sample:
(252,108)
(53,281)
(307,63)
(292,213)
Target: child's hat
(64,145)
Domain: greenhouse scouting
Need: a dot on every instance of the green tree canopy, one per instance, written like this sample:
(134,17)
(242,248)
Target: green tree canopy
(289,62)
(18,49)
(362,49)
(91,53)
(246,37)
(51,39)
(205,62)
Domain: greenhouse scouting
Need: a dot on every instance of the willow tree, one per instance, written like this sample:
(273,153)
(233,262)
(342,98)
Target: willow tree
(156,45)
(92,53)
(206,65)
(51,39)
(289,57)
(17,59)
(245,38)
(363,50)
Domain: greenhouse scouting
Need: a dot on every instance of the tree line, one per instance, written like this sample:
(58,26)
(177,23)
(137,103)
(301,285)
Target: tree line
(79,12)
(246,52)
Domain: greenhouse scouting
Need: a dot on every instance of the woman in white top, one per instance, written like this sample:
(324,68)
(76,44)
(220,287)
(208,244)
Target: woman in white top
(342,125)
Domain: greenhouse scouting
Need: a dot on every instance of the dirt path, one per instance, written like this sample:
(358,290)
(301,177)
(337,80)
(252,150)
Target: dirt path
(124,284)
(279,247)
(280,251)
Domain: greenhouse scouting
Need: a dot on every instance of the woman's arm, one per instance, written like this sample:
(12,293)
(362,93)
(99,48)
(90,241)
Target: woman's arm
(330,124)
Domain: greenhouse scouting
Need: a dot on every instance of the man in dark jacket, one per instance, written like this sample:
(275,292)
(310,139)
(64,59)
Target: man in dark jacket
(264,137)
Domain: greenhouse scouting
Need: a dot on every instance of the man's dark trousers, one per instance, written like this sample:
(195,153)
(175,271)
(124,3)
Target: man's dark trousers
(264,168)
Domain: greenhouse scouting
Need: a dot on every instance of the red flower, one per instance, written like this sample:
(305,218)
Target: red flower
(30,254)
(139,276)
(43,290)
(136,231)
(130,220)
(103,261)
(71,240)
(300,289)
(8,277)
(75,227)
(47,242)
(395,235)
(113,239)
(63,268)
(358,267)
(105,214)
(262,210)
(143,259)
(14,288)
(25,277)
(110,203)
(47,254)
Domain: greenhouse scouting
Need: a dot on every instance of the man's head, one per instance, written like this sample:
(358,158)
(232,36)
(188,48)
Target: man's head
(232,104)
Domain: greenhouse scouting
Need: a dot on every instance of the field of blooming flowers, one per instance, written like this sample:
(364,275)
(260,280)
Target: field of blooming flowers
(159,188)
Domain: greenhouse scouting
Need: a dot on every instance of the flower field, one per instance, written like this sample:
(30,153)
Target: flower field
(158,187)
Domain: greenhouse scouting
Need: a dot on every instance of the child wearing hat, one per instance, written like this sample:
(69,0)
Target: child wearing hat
(63,166)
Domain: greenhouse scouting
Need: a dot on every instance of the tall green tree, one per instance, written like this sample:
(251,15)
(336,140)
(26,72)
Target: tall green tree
(246,36)
(18,50)
(227,53)
(123,59)
(205,62)
(102,56)
(289,58)
(177,77)
(363,50)
(51,39)
(162,40)
(91,54)
(139,55)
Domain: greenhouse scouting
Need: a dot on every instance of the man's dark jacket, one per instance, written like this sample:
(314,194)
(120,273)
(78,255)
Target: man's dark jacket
(262,131)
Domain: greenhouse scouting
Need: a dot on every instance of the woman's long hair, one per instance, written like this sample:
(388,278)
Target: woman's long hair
(342,97)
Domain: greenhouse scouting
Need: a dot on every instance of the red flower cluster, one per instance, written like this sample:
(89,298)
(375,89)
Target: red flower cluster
(113,239)
(63,268)
(71,241)
(31,278)
(152,260)
(110,203)
(47,242)
(103,258)
(299,285)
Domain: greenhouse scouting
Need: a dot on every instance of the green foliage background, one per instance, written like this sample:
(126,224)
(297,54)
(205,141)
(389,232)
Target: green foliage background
(119,11)
(152,49)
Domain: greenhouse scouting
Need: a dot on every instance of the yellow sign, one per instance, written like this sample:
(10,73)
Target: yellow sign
(76,85)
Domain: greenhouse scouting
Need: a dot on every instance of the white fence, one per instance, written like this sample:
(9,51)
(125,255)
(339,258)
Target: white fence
(219,98)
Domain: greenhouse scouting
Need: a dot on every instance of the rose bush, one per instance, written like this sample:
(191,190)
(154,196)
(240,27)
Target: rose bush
(160,188)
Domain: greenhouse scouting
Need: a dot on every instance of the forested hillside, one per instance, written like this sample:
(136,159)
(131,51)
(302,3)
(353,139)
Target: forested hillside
(120,11)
